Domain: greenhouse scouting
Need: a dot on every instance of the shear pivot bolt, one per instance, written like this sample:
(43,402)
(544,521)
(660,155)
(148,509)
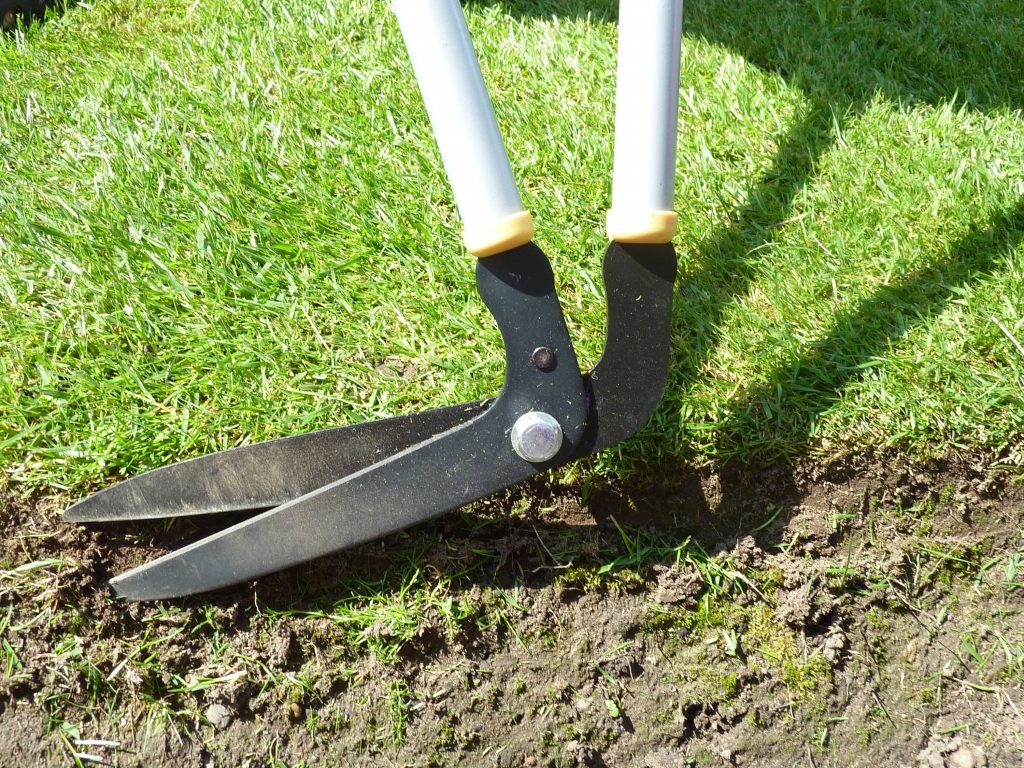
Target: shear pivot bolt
(536,437)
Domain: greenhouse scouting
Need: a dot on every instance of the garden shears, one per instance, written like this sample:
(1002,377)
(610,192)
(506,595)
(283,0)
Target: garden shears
(329,490)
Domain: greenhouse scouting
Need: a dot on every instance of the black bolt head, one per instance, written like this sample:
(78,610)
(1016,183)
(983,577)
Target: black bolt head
(544,358)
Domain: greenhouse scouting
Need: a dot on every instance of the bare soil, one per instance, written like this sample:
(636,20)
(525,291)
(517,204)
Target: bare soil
(875,620)
(13,11)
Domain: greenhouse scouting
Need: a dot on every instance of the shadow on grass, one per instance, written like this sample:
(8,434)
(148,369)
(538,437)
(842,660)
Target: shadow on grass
(808,386)
(841,56)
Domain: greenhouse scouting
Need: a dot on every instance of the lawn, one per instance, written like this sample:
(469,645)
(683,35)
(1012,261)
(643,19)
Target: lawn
(223,222)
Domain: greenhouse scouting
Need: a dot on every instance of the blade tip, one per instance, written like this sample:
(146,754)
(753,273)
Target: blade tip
(95,507)
(129,589)
(138,585)
(78,512)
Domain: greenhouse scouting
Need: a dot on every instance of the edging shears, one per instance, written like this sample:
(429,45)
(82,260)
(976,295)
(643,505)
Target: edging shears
(333,489)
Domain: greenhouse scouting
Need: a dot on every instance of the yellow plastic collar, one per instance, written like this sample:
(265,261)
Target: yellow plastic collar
(652,228)
(505,234)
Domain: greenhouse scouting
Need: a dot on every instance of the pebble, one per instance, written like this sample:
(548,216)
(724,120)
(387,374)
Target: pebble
(966,757)
(910,653)
(219,715)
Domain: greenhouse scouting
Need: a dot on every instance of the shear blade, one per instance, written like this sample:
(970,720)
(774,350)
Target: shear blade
(265,474)
(334,490)
(415,485)
(421,479)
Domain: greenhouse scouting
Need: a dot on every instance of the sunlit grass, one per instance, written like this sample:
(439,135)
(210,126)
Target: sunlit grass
(221,222)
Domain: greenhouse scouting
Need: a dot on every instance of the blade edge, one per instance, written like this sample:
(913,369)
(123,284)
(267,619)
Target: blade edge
(265,474)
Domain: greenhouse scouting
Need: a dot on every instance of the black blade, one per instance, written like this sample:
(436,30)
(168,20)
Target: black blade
(444,472)
(266,474)
(629,380)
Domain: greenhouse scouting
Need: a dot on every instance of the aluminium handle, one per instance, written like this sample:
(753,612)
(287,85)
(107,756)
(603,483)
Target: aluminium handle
(464,124)
(646,116)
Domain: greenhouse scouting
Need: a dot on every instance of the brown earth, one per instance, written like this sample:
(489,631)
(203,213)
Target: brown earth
(13,11)
(875,620)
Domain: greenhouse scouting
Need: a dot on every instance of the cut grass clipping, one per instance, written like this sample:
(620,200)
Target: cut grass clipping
(223,222)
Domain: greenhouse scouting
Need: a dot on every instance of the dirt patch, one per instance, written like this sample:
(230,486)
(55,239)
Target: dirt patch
(866,612)
(13,11)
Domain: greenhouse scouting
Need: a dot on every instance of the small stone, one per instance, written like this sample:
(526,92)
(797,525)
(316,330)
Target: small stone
(530,761)
(220,717)
(835,644)
(583,755)
(911,651)
(666,759)
(295,712)
(966,757)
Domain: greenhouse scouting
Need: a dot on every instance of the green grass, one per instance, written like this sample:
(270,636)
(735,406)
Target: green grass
(224,222)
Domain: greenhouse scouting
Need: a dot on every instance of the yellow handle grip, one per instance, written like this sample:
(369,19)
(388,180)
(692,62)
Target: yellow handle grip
(655,228)
(500,236)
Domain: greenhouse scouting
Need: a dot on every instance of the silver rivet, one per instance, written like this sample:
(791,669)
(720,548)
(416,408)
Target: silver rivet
(536,437)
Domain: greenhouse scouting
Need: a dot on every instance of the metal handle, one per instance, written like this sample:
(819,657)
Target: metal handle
(464,125)
(646,114)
